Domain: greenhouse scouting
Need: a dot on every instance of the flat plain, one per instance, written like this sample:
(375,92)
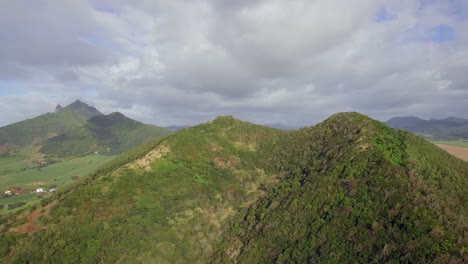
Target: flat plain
(459,152)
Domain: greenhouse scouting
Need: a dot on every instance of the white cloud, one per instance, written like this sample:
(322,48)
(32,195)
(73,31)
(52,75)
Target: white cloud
(173,62)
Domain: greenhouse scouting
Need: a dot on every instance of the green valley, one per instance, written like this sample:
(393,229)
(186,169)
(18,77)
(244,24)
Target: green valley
(20,175)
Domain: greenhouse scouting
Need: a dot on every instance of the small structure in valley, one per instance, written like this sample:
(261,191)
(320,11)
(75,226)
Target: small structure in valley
(39,190)
(8,193)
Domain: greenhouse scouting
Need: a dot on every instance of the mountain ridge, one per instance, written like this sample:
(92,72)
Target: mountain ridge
(106,134)
(446,128)
(47,125)
(229,191)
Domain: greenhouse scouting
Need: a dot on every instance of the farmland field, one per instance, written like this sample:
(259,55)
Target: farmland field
(19,172)
(457,143)
(459,152)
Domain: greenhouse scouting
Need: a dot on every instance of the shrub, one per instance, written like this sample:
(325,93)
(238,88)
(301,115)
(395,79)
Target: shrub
(15,205)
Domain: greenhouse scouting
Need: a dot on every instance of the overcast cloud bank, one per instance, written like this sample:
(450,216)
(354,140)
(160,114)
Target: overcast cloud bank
(184,62)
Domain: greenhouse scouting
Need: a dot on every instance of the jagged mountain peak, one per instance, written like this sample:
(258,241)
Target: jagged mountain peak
(41,127)
(58,108)
(83,109)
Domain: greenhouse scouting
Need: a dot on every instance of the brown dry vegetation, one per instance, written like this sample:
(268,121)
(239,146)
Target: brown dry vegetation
(3,147)
(37,159)
(19,190)
(31,224)
(149,158)
(459,152)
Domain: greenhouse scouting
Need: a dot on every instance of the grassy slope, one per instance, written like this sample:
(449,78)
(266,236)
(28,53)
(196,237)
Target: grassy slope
(47,125)
(14,163)
(109,135)
(230,191)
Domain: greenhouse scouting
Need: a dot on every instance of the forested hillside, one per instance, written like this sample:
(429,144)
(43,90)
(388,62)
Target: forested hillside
(349,189)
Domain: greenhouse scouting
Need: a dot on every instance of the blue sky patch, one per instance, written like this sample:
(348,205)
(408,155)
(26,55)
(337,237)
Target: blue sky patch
(453,8)
(106,9)
(11,87)
(440,33)
(383,15)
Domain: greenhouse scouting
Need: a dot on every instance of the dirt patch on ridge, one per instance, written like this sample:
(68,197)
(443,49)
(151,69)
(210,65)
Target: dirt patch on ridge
(459,152)
(31,224)
(226,163)
(149,158)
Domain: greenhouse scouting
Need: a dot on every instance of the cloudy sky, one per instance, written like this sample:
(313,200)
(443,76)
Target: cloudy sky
(268,61)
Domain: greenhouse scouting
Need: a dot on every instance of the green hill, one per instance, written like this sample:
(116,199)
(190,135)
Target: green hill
(106,134)
(46,125)
(349,189)
(434,129)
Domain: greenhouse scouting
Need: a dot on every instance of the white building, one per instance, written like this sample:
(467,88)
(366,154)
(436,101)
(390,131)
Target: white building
(40,190)
(8,193)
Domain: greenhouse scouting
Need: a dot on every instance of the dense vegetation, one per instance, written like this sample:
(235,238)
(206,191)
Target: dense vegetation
(367,193)
(347,190)
(435,129)
(108,135)
(46,125)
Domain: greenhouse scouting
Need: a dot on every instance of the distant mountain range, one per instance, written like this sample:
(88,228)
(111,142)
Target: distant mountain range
(48,125)
(105,134)
(175,128)
(276,125)
(437,129)
(281,126)
(77,130)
